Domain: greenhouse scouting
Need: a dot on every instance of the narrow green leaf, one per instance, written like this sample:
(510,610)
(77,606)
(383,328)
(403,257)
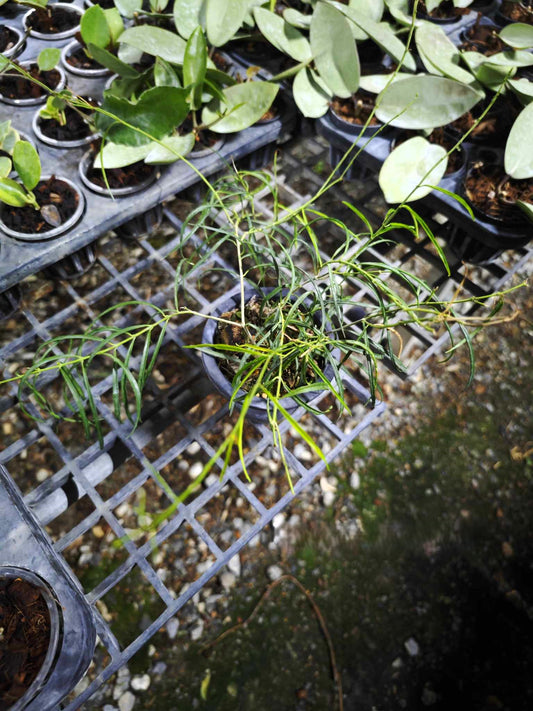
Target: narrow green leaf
(194,66)
(108,60)
(164,74)
(5,166)
(27,164)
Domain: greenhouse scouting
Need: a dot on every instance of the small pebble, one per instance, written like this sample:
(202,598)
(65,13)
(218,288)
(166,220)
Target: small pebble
(126,701)
(412,647)
(234,565)
(197,631)
(227,580)
(172,627)
(274,572)
(140,683)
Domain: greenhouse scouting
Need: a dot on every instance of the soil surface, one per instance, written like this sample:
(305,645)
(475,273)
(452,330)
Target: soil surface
(24,637)
(129,176)
(356,109)
(445,11)
(75,127)
(15,86)
(483,39)
(492,191)
(517,12)
(53,20)
(8,38)
(57,196)
(491,130)
(81,60)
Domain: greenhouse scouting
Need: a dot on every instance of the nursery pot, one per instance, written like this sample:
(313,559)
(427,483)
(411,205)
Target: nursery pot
(257,411)
(32,617)
(439,16)
(90,71)
(515,12)
(36,99)
(87,179)
(341,117)
(54,231)
(39,127)
(14,41)
(68,14)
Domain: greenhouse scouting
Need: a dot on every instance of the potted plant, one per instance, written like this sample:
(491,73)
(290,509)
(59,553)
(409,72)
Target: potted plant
(35,207)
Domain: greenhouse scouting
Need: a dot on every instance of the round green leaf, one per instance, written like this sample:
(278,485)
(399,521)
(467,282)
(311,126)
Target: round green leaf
(519,147)
(518,35)
(334,50)
(282,35)
(27,164)
(310,93)
(94,28)
(411,170)
(155,41)
(424,101)
(244,104)
(48,58)
(12,193)
(223,18)
(116,155)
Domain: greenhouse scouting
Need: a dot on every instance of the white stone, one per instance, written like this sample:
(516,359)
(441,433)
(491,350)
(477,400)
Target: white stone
(172,627)
(302,453)
(193,448)
(126,701)
(234,565)
(140,683)
(227,580)
(197,631)
(42,474)
(278,520)
(326,485)
(195,470)
(159,668)
(355,480)
(328,497)
(412,647)
(274,572)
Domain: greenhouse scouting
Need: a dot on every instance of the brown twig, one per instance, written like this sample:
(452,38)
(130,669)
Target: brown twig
(266,594)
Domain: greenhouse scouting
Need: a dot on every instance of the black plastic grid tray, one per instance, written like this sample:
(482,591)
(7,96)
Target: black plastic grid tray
(19,259)
(182,420)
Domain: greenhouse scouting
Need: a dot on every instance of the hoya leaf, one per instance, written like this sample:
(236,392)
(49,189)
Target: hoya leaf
(115,24)
(244,104)
(410,171)
(128,8)
(115,155)
(194,66)
(94,28)
(439,52)
(310,93)
(130,55)
(382,35)
(223,18)
(283,35)
(334,50)
(157,113)
(5,166)
(155,41)
(48,58)
(297,19)
(108,60)
(523,88)
(9,138)
(424,101)
(188,15)
(164,74)
(527,208)
(518,58)
(174,148)
(518,35)
(375,83)
(27,164)
(12,193)
(518,158)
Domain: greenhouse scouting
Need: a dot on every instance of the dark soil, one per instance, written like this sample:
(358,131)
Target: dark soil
(15,86)
(491,190)
(356,109)
(445,11)
(25,637)
(483,39)
(129,176)
(105,4)
(517,12)
(81,60)
(8,38)
(52,192)
(221,62)
(75,127)
(52,20)
(494,127)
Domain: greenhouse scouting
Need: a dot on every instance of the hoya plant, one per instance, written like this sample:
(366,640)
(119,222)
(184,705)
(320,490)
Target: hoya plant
(179,96)
(24,159)
(100,30)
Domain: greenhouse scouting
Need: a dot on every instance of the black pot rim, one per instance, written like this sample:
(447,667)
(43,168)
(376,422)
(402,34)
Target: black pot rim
(89,73)
(40,99)
(76,143)
(70,7)
(353,128)
(113,193)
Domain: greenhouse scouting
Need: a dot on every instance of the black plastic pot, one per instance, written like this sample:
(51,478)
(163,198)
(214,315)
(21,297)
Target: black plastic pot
(503,19)
(257,412)
(26,551)
(34,101)
(18,42)
(88,73)
(38,124)
(85,166)
(70,9)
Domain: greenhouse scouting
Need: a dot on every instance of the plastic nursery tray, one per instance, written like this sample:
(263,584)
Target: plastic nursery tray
(375,151)
(26,547)
(19,259)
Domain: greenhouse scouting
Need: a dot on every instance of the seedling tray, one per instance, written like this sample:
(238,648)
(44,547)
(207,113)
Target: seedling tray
(20,259)
(26,546)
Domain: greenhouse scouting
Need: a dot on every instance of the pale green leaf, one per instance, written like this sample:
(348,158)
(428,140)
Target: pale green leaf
(283,35)
(424,101)
(205,685)
(223,18)
(188,15)
(375,83)
(155,41)
(116,155)
(115,24)
(412,164)
(518,35)
(297,19)
(439,52)
(164,74)
(5,166)
(174,148)
(519,147)
(334,50)
(128,8)
(27,164)
(310,93)
(48,58)
(519,58)
(12,193)
(523,88)
(244,104)
(94,28)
